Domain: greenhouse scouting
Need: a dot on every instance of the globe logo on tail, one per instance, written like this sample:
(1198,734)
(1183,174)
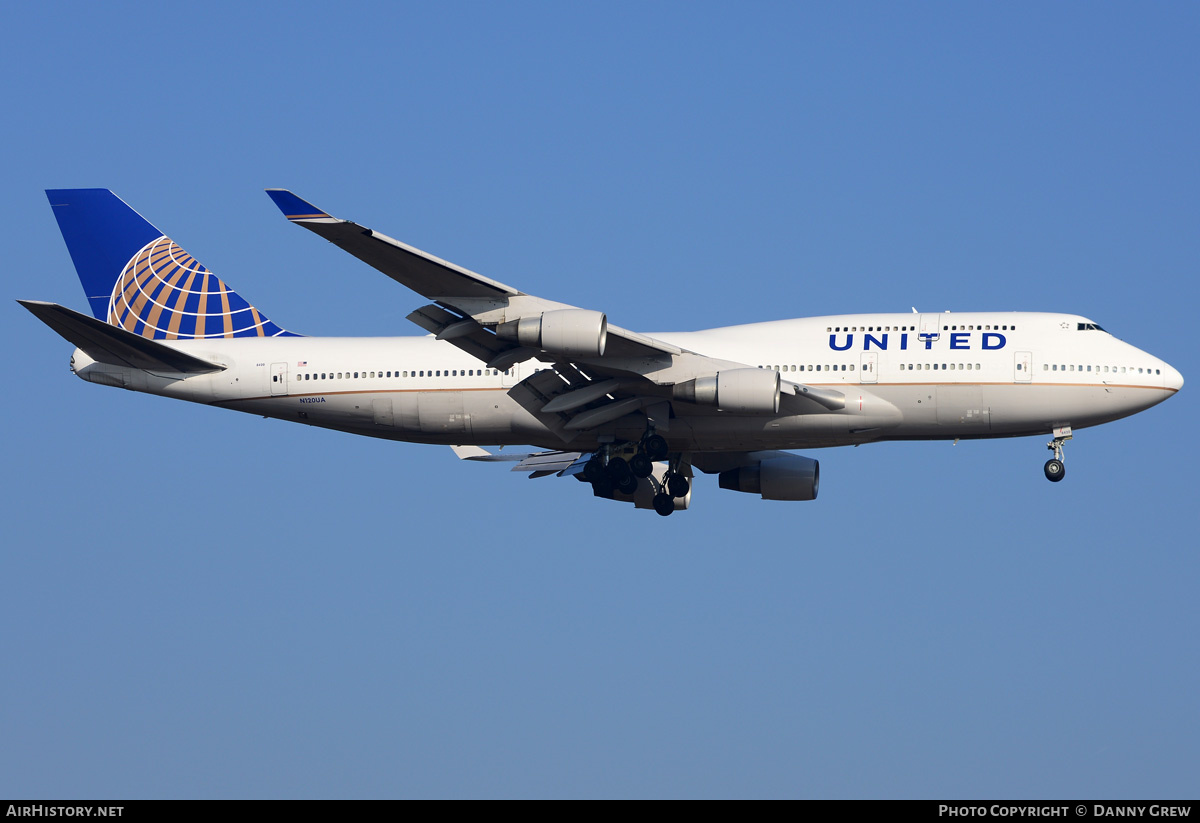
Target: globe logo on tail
(166,294)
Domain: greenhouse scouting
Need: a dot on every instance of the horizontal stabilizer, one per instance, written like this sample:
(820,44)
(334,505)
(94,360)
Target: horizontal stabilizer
(115,346)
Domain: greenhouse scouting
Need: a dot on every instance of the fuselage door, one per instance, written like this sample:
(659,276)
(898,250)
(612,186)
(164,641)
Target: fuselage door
(511,376)
(931,327)
(279,379)
(1023,367)
(868,367)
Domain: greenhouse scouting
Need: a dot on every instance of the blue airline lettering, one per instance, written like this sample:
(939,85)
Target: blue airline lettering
(990,341)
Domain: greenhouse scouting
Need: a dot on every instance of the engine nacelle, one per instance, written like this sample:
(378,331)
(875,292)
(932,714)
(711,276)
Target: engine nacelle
(741,391)
(573,332)
(786,477)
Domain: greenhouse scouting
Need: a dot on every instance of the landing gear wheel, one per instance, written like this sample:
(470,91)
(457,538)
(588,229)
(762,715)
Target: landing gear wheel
(641,465)
(627,486)
(1055,470)
(593,471)
(656,447)
(678,485)
(603,488)
(617,470)
(664,504)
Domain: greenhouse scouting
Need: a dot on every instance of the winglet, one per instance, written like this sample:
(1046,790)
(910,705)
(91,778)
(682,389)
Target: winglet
(297,210)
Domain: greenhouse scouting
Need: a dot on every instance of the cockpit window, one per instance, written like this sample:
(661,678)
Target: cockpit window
(1089,327)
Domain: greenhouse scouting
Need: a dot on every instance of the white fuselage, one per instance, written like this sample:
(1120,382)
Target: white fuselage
(904,376)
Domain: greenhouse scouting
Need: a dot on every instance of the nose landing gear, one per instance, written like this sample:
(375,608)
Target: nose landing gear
(1055,469)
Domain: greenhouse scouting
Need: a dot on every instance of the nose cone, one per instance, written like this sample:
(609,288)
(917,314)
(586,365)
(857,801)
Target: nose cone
(1172,379)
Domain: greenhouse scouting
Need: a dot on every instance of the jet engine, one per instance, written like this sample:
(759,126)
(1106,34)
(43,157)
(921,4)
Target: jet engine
(741,391)
(785,477)
(573,332)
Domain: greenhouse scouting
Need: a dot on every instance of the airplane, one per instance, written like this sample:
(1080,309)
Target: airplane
(634,416)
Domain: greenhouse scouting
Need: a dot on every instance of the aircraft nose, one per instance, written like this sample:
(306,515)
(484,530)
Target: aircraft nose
(1172,379)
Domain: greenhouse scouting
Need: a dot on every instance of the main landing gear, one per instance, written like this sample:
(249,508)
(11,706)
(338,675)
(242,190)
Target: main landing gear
(674,483)
(1055,469)
(610,476)
(608,472)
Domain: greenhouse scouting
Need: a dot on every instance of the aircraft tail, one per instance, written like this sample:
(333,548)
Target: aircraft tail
(138,279)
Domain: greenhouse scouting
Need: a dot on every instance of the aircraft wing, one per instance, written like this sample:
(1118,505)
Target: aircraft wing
(603,370)
(486,301)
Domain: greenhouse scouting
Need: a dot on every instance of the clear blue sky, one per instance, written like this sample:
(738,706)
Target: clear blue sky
(204,604)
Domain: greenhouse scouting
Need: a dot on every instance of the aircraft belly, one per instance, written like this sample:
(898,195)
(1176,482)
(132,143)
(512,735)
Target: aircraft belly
(441,412)
(962,407)
(875,421)
(491,414)
(1035,409)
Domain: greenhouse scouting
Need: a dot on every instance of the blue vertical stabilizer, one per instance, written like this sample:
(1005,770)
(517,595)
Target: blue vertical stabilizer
(137,278)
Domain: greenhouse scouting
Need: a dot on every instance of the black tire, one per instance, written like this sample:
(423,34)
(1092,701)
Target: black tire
(603,488)
(641,465)
(664,504)
(618,470)
(628,486)
(678,485)
(656,447)
(1055,470)
(593,471)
